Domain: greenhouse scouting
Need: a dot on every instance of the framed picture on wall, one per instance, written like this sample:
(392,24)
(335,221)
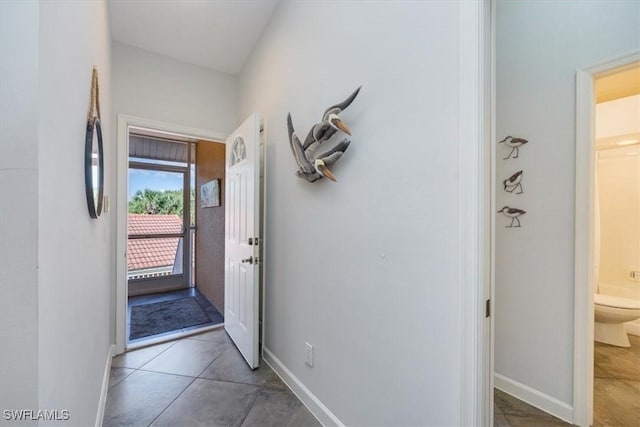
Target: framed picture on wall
(210,193)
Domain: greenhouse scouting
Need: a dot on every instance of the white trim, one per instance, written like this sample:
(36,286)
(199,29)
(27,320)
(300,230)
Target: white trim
(492,153)
(105,386)
(173,337)
(263,247)
(124,122)
(584,282)
(535,398)
(315,406)
(474,262)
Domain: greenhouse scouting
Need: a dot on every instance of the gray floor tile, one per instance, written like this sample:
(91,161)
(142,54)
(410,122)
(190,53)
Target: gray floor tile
(136,358)
(210,403)
(272,409)
(118,374)
(534,421)
(518,413)
(303,418)
(217,335)
(499,420)
(186,357)
(139,398)
(231,366)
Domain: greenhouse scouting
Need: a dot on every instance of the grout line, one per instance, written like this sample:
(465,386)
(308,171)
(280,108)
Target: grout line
(167,373)
(250,408)
(172,402)
(154,357)
(216,358)
(121,379)
(260,386)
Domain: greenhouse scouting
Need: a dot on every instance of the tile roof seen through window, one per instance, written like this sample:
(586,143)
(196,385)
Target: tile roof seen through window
(156,252)
(154,224)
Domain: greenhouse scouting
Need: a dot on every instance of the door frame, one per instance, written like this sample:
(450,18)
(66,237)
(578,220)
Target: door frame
(584,214)
(124,123)
(476,206)
(168,283)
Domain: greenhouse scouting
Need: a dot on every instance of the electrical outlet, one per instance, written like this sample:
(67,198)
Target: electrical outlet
(634,275)
(308,348)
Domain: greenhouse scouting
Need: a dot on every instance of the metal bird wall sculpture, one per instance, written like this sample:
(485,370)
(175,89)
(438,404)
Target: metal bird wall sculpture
(312,166)
(514,144)
(512,213)
(513,183)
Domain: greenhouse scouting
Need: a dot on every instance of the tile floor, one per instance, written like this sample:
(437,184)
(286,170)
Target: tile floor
(616,394)
(198,381)
(616,389)
(203,381)
(209,309)
(511,412)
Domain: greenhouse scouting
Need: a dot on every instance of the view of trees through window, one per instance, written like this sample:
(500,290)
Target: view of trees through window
(158,202)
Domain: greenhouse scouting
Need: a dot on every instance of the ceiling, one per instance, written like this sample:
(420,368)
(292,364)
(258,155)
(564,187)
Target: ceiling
(619,84)
(218,34)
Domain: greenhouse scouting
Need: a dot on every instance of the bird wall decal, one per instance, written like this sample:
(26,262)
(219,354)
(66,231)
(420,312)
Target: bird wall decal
(514,144)
(312,166)
(512,213)
(513,182)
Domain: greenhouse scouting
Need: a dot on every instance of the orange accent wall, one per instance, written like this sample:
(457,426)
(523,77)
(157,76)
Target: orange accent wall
(209,271)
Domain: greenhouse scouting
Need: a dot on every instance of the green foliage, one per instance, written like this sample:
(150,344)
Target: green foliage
(159,202)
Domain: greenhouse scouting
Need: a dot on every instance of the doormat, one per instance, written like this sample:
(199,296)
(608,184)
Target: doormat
(165,316)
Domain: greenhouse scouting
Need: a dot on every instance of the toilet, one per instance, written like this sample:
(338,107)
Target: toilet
(610,314)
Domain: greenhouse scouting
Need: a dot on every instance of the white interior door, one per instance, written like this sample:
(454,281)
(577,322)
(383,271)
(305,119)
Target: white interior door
(242,229)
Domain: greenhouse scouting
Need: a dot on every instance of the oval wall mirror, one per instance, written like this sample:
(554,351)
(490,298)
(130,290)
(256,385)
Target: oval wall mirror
(94,167)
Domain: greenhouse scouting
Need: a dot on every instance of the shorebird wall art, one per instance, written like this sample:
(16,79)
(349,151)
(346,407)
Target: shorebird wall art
(514,144)
(512,213)
(312,166)
(513,182)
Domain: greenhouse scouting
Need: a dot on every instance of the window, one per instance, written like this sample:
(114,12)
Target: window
(238,151)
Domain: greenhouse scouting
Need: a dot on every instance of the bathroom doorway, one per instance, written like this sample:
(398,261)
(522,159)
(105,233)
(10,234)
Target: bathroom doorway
(607,246)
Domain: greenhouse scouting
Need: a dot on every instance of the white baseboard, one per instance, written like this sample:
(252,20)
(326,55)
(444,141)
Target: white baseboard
(633,328)
(317,408)
(105,386)
(534,397)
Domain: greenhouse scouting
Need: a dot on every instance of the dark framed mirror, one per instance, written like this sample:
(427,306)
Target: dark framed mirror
(94,167)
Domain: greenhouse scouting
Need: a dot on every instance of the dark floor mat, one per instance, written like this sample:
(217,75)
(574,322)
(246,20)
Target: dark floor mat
(165,316)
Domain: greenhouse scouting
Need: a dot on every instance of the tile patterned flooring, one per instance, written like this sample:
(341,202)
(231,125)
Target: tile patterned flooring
(616,394)
(616,399)
(511,412)
(204,381)
(201,380)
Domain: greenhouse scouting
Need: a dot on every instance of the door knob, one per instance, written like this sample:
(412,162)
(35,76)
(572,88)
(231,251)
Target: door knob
(248,260)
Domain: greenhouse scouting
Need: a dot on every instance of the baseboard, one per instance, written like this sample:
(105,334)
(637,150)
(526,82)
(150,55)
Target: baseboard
(633,328)
(317,408)
(105,386)
(534,397)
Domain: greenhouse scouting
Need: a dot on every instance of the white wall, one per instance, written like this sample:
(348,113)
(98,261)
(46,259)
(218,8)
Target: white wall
(75,273)
(619,189)
(154,86)
(365,269)
(18,205)
(540,46)
(55,261)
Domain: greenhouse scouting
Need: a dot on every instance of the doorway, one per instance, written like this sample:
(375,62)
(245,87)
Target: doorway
(165,296)
(165,154)
(587,259)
